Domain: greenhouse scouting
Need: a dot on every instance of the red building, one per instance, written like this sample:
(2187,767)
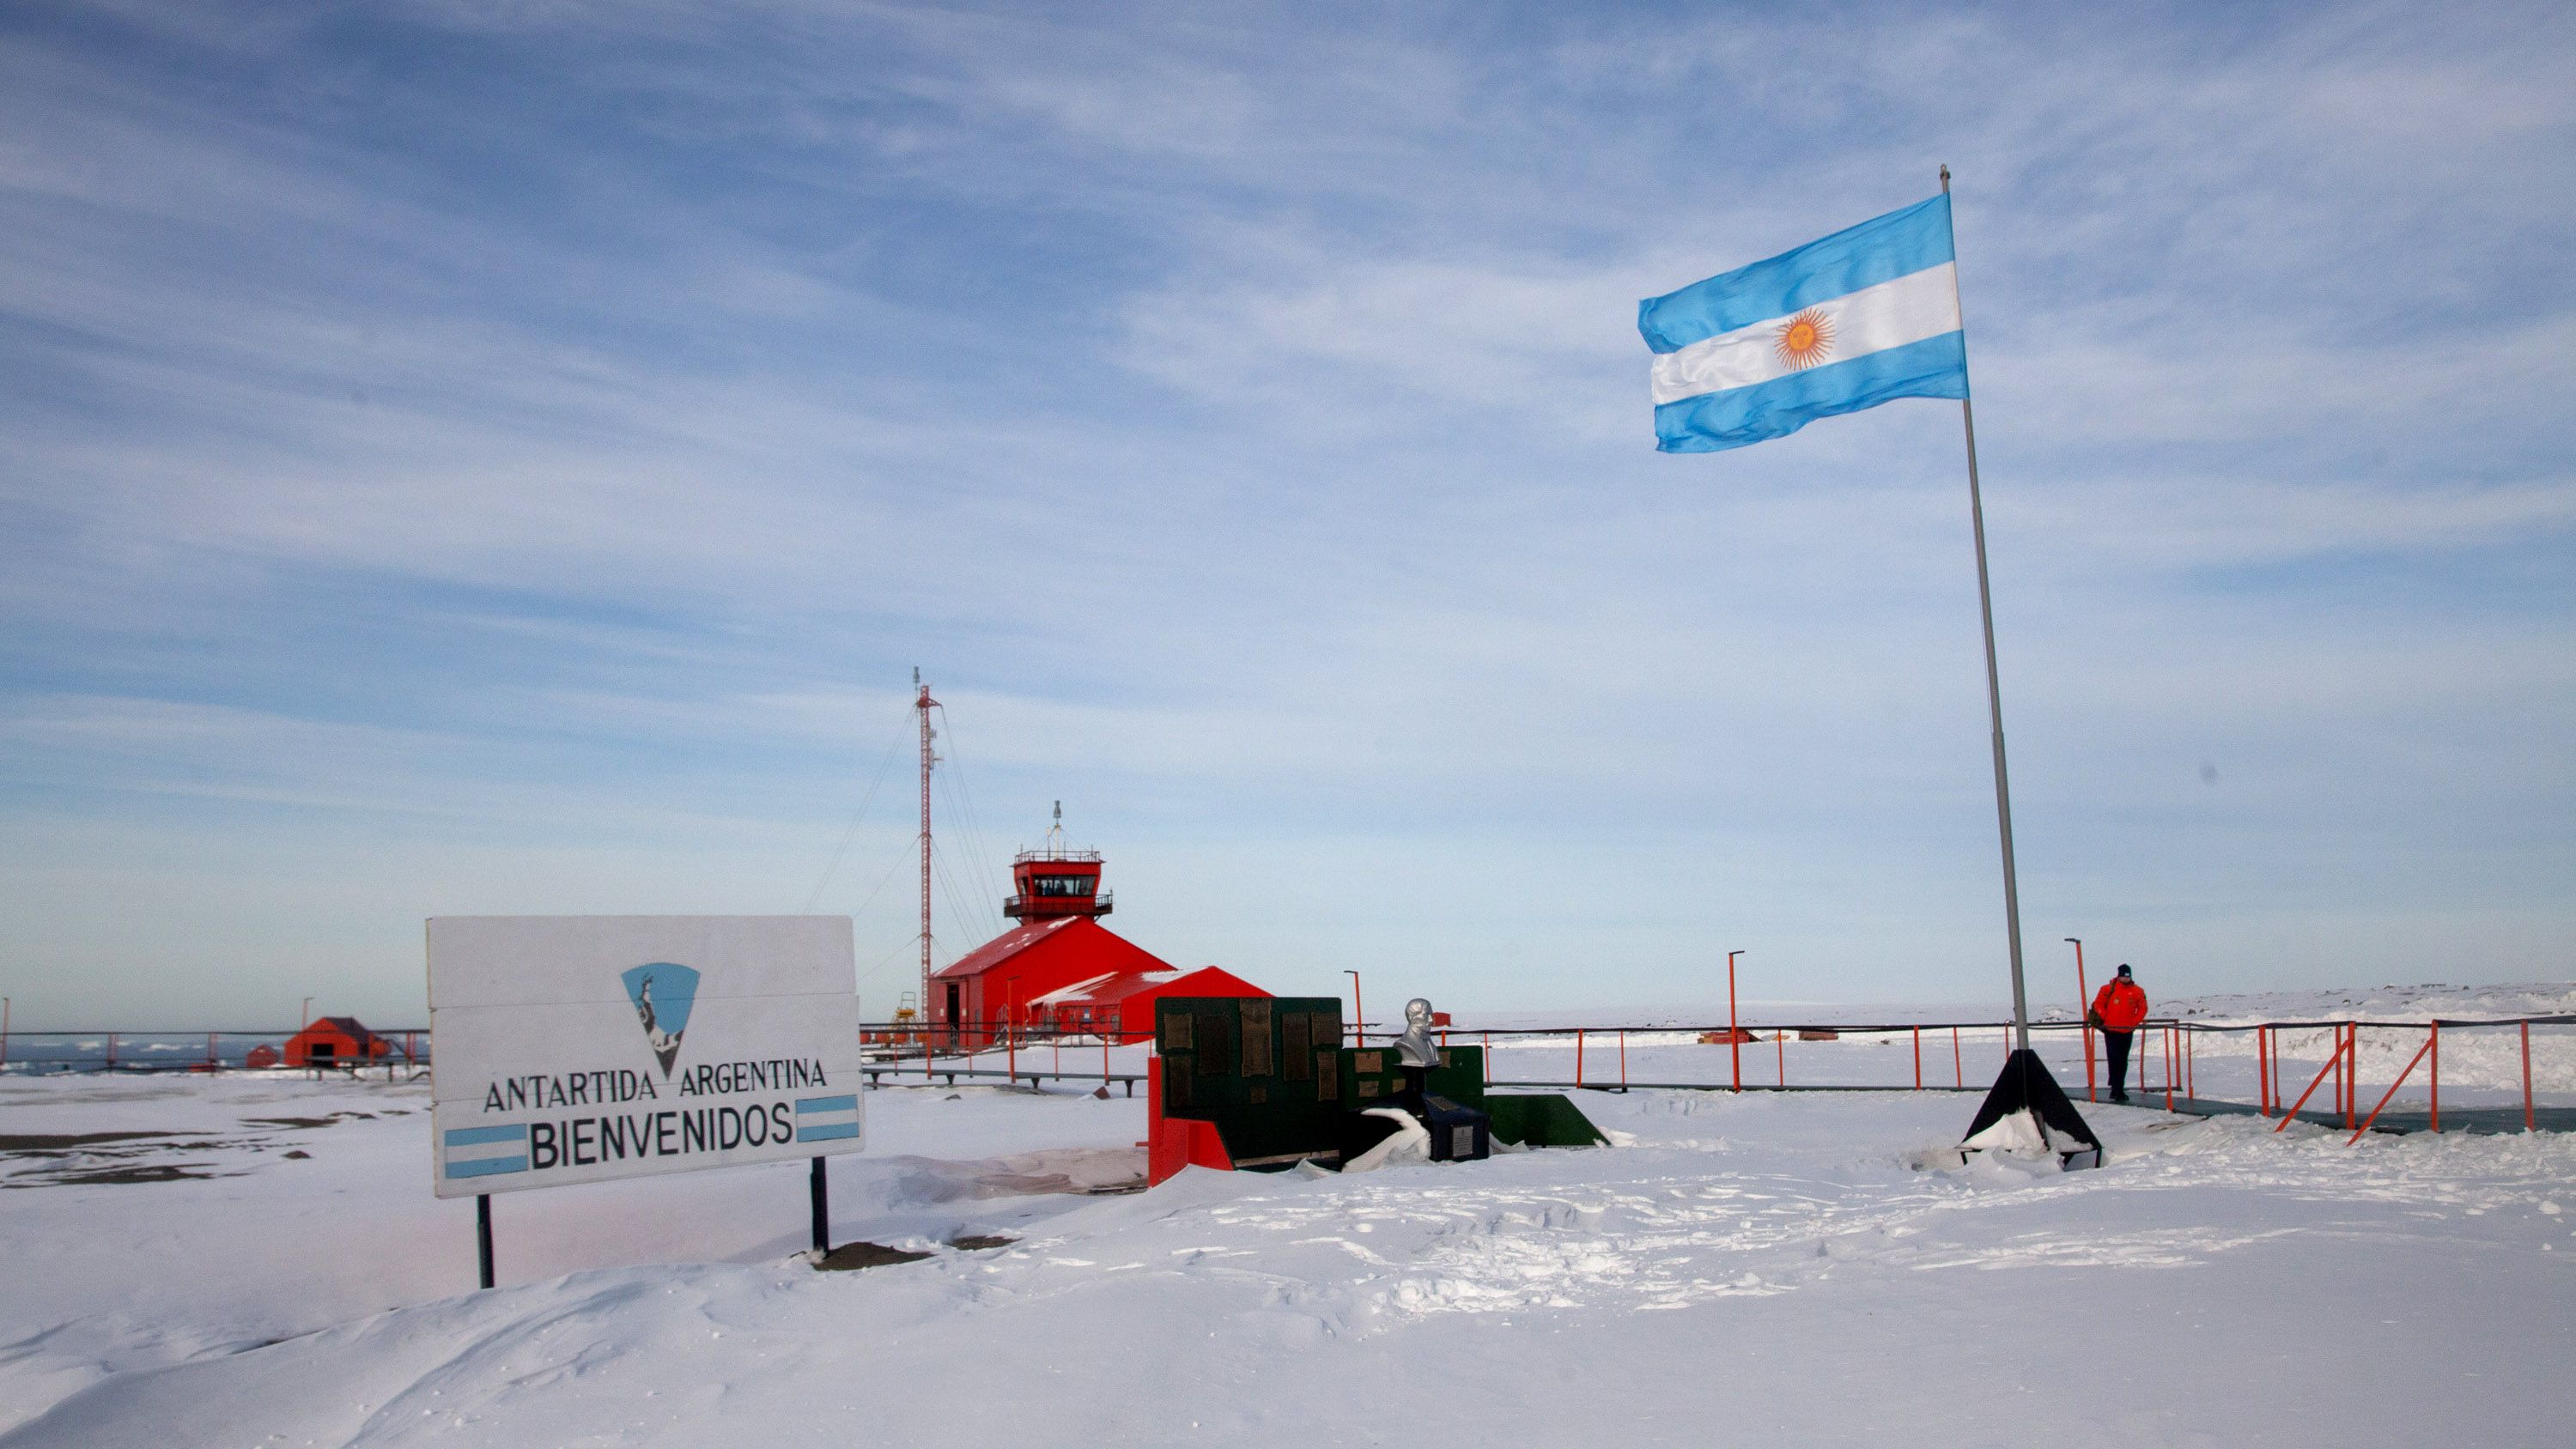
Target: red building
(336,1041)
(1061,969)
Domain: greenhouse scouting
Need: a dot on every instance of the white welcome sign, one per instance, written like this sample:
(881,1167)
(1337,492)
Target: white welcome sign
(581,1048)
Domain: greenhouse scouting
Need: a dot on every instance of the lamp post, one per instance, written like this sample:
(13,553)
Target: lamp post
(304,1014)
(2083,1008)
(1734,1036)
(1359,1020)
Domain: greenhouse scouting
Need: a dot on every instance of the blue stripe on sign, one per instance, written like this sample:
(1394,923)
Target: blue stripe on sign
(485,1167)
(826,1134)
(1881,249)
(1933,367)
(476,1136)
(828,1104)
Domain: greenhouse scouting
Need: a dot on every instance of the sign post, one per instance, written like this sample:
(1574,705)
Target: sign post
(591,1048)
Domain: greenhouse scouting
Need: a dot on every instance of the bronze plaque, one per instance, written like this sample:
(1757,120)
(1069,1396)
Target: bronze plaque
(1368,1064)
(1328,1076)
(1176,1081)
(1368,1087)
(1256,1038)
(1256,1094)
(1176,1031)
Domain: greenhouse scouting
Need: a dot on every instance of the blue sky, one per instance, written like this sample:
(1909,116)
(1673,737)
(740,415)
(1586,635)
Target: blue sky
(494,458)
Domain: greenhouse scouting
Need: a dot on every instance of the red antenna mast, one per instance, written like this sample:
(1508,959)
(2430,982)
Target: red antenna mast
(923,703)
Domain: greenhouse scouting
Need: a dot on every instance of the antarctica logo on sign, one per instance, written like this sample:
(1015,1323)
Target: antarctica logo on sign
(543,1078)
(666,1019)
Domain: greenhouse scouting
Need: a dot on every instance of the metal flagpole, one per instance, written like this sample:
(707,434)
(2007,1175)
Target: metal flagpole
(1994,702)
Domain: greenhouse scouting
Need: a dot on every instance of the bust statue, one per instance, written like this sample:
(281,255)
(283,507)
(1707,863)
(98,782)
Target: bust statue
(1416,1048)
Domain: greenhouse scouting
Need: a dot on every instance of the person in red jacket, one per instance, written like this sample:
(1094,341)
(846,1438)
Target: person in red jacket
(2118,1008)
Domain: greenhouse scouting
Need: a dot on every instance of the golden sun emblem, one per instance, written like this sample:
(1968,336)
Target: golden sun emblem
(1804,340)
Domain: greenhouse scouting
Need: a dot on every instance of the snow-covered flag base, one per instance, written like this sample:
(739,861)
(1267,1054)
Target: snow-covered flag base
(2026,1113)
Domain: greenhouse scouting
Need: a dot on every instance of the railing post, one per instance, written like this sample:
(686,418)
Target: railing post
(1918,1059)
(2526,1077)
(1578,1056)
(2170,1033)
(1959,1063)
(1489,1058)
(2351,1071)
(1623,1059)
(1780,1045)
(2434,1045)
(2336,1061)
(2263,1070)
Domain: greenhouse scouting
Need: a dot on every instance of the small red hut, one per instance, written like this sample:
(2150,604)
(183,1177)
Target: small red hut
(1060,969)
(336,1041)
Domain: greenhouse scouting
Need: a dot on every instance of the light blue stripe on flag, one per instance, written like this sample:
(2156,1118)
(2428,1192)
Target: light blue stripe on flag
(1712,422)
(477,1136)
(1881,249)
(826,1132)
(486,1166)
(828,1104)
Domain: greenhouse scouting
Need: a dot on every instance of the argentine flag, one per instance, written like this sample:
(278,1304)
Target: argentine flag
(1838,325)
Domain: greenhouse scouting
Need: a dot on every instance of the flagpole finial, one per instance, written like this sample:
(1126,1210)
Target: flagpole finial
(1945,178)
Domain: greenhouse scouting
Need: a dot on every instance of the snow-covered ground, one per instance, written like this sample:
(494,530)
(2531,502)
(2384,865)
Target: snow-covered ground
(1788,1269)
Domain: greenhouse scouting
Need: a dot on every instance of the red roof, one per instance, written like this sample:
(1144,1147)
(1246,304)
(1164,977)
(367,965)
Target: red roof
(346,1026)
(1205,981)
(1011,943)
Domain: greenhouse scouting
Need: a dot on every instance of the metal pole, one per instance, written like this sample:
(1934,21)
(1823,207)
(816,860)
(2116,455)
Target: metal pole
(2526,1077)
(1359,1016)
(1734,1038)
(922,702)
(821,1194)
(483,1233)
(2263,1069)
(1994,706)
(2084,1016)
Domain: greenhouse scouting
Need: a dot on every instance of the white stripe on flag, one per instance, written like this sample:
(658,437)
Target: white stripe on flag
(1892,314)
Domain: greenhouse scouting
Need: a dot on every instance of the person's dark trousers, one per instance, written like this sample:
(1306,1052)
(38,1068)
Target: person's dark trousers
(2115,1048)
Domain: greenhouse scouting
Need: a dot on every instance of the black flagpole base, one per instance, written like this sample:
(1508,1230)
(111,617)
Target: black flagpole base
(2026,1086)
